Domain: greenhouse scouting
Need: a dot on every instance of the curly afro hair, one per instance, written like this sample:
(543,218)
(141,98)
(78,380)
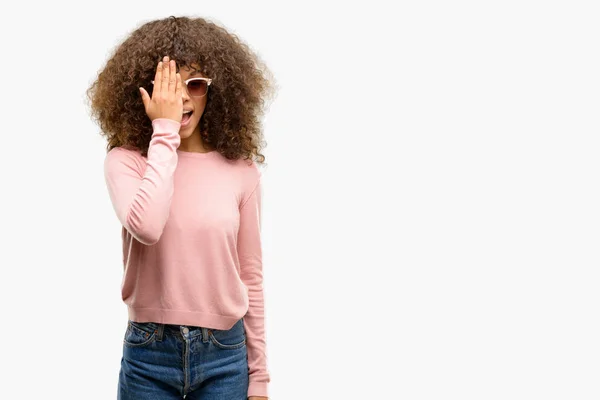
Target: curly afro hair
(241,84)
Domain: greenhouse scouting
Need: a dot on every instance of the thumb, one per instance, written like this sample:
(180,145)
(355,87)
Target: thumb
(145,96)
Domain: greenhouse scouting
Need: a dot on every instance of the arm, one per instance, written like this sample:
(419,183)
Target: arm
(141,197)
(250,255)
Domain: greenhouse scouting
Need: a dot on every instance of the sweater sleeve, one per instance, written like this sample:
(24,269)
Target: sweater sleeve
(250,255)
(141,194)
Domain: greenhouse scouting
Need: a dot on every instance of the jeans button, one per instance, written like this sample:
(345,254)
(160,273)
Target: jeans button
(186,330)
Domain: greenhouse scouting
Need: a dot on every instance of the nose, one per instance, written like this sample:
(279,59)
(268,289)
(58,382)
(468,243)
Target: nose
(184,92)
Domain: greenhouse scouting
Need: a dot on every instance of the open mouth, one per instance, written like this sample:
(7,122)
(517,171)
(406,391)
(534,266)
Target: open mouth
(186,117)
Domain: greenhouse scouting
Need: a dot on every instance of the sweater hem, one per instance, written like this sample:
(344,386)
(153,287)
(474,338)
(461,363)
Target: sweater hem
(182,317)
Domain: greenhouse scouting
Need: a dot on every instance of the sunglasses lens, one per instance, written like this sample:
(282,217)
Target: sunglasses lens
(197,87)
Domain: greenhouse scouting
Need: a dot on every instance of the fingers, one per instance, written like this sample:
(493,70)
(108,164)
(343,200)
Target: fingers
(167,82)
(172,77)
(158,78)
(145,97)
(178,87)
(164,90)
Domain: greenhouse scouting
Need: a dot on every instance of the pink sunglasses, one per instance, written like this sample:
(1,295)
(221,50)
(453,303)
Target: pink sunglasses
(196,87)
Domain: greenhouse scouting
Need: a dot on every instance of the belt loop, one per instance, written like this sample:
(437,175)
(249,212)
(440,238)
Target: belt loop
(205,335)
(159,332)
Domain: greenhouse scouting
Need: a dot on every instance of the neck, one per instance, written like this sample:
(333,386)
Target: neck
(195,144)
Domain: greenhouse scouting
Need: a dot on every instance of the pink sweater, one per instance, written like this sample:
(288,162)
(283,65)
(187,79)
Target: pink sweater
(191,239)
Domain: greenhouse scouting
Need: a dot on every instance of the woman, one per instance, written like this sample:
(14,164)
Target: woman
(179,103)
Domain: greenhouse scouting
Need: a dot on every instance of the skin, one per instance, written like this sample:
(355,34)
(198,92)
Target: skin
(163,103)
(191,140)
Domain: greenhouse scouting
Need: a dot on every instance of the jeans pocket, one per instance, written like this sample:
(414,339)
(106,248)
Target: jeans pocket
(229,339)
(139,334)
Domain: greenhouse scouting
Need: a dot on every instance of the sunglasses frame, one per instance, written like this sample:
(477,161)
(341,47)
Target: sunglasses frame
(208,82)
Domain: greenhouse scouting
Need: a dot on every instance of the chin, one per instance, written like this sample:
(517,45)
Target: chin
(187,132)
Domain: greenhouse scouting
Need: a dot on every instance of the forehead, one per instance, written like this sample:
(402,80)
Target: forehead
(193,70)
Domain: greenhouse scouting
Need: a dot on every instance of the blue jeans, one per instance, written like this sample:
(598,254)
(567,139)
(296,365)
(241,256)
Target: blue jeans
(164,362)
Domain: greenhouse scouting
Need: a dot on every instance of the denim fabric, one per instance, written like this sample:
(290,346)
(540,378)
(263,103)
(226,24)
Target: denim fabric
(166,362)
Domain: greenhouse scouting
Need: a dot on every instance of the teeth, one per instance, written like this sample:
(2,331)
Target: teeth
(187,112)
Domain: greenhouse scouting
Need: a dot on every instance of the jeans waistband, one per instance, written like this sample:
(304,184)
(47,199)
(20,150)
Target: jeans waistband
(180,330)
